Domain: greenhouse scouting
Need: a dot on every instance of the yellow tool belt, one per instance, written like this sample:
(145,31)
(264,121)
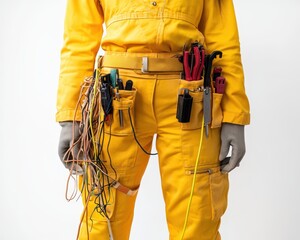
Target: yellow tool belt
(146,63)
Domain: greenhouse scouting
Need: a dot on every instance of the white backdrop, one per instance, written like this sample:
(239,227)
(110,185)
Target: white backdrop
(264,195)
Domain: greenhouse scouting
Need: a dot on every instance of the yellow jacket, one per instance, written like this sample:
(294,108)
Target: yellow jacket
(145,26)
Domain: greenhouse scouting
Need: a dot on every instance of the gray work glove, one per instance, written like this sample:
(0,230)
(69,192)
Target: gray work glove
(232,135)
(65,142)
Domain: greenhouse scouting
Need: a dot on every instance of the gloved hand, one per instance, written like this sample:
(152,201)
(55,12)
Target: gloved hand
(232,135)
(65,142)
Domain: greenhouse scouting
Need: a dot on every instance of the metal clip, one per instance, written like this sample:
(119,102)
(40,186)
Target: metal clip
(145,66)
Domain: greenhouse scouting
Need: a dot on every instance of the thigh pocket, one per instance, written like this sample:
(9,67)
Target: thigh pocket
(119,150)
(196,92)
(217,113)
(210,194)
(219,186)
(121,121)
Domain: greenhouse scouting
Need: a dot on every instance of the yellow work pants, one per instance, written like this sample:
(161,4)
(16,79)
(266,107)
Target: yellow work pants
(153,106)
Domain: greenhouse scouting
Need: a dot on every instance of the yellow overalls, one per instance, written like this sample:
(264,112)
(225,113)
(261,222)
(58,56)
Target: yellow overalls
(157,29)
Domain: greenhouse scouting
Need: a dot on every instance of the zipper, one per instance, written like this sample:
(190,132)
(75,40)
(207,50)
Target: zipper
(190,172)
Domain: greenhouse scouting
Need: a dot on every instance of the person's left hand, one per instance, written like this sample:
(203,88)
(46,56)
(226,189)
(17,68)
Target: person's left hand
(232,135)
(68,136)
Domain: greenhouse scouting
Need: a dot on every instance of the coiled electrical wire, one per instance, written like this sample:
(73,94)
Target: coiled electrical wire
(86,152)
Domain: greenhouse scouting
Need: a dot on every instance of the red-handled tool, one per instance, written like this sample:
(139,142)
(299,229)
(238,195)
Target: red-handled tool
(197,63)
(220,85)
(217,73)
(186,66)
(193,62)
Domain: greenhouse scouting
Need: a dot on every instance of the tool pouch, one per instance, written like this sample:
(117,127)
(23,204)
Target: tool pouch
(125,106)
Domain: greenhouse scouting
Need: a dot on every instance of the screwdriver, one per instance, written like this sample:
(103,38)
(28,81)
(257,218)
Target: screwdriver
(120,111)
(120,84)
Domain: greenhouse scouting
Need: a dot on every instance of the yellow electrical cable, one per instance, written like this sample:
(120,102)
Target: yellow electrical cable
(91,114)
(194,181)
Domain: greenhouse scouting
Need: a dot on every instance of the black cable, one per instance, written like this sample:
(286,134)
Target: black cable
(108,153)
(136,137)
(101,134)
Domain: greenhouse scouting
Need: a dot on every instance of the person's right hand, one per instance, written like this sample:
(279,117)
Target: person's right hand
(66,140)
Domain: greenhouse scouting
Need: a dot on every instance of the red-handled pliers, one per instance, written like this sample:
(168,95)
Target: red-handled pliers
(194,67)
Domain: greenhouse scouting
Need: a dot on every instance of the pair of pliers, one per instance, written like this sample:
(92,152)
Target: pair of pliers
(193,62)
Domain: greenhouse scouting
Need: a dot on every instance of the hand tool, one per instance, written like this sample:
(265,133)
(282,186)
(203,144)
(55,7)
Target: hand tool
(106,98)
(120,111)
(184,106)
(207,108)
(193,62)
(225,161)
(114,75)
(128,85)
(220,85)
(208,65)
(120,84)
(106,79)
(198,57)
(207,88)
(186,66)
(217,72)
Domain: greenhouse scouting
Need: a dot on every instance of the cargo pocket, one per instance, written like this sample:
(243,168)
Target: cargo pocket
(217,113)
(196,92)
(123,108)
(219,186)
(119,150)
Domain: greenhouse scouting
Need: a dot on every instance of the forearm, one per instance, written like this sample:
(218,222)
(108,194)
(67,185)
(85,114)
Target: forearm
(219,27)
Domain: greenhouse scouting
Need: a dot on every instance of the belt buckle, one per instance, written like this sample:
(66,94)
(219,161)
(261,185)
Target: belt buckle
(145,65)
